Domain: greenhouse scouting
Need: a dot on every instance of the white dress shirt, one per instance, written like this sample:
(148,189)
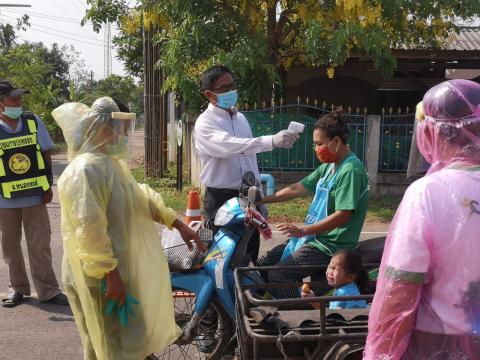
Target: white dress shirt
(226,148)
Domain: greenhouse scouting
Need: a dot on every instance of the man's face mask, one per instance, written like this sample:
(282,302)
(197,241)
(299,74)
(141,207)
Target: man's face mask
(227,100)
(12,112)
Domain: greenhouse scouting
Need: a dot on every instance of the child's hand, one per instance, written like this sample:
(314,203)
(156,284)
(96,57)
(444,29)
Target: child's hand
(307,294)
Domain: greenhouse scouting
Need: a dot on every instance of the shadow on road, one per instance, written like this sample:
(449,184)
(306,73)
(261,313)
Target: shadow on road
(51,308)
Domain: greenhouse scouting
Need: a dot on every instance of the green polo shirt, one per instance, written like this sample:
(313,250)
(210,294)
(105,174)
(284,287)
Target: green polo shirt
(349,192)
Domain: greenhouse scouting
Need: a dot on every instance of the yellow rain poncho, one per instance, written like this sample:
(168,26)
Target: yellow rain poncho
(108,222)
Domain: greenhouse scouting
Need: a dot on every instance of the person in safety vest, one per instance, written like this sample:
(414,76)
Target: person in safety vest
(25,189)
(336,215)
(114,270)
(427,300)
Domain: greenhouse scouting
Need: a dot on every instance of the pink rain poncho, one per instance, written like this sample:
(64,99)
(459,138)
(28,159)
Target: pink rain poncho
(427,304)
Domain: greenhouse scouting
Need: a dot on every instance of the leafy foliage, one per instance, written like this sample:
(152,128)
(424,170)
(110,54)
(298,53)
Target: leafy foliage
(262,39)
(117,87)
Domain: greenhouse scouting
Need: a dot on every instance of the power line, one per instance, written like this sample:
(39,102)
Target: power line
(15,5)
(77,6)
(65,37)
(68,38)
(51,17)
(59,7)
(63,32)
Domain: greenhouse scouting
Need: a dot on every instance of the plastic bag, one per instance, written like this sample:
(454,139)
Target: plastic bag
(179,257)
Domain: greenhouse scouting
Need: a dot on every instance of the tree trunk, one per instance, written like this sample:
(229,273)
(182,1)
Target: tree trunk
(155,110)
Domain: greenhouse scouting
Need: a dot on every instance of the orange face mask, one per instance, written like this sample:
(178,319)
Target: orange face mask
(325,155)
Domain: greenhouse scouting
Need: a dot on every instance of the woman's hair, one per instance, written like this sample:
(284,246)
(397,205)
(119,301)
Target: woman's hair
(334,124)
(354,265)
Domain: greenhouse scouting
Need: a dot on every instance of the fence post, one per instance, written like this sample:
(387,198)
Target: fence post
(193,161)
(373,150)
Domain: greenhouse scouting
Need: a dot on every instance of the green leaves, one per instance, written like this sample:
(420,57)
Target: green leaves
(260,40)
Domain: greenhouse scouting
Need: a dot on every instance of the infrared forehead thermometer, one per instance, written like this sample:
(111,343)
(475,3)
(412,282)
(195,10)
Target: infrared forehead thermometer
(296,127)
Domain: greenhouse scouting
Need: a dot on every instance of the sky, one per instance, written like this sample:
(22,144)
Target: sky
(58,21)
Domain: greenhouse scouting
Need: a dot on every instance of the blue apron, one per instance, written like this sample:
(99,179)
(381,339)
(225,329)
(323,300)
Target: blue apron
(318,209)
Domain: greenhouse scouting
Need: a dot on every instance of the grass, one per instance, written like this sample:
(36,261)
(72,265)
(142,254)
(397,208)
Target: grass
(60,147)
(380,209)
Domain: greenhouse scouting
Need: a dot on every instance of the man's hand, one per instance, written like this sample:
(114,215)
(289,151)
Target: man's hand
(115,287)
(284,139)
(47,196)
(188,234)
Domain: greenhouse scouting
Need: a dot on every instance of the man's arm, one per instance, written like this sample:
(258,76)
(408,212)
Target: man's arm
(391,319)
(215,142)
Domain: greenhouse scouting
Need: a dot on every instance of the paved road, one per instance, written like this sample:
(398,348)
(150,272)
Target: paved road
(48,332)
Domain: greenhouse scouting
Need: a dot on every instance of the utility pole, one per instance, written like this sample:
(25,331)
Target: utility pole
(107,51)
(91,81)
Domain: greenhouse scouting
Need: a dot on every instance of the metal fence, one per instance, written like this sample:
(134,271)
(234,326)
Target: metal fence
(395,141)
(302,156)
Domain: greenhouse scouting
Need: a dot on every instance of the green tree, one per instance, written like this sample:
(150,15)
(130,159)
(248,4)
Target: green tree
(8,33)
(25,67)
(262,39)
(42,70)
(117,87)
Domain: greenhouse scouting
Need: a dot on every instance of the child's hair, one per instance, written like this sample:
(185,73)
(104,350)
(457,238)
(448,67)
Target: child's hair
(354,265)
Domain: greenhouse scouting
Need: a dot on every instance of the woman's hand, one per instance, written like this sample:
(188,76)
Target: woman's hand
(290,230)
(115,287)
(188,234)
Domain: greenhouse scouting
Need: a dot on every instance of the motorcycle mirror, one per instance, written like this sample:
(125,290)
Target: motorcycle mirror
(252,194)
(249,178)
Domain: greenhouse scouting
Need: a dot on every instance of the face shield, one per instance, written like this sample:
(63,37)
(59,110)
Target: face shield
(99,129)
(122,126)
(450,130)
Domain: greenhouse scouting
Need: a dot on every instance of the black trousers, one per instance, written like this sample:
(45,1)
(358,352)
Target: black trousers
(213,200)
(305,255)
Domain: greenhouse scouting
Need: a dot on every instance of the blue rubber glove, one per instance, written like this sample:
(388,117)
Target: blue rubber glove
(122,311)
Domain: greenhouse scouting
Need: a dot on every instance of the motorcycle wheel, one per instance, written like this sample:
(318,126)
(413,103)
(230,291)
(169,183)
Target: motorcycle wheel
(216,335)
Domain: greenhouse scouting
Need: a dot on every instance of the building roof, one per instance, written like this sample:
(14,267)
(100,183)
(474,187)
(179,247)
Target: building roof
(468,39)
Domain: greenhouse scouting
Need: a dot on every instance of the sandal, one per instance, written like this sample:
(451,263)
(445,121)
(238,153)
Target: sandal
(13,300)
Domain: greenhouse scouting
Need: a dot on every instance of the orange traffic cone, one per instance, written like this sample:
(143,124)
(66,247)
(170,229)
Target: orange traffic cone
(193,207)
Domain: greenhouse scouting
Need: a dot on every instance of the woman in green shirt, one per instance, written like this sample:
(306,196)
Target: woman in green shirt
(335,217)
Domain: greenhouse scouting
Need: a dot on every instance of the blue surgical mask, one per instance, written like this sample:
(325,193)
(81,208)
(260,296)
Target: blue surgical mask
(227,100)
(12,112)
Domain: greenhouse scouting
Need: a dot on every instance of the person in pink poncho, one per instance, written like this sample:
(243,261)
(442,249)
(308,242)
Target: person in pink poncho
(427,304)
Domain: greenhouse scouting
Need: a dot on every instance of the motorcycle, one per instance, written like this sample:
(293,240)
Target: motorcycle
(204,293)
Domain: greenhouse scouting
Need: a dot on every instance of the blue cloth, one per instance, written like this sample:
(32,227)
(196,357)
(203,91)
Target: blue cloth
(347,290)
(45,143)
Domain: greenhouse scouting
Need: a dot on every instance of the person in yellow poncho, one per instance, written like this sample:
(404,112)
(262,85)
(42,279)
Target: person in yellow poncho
(109,236)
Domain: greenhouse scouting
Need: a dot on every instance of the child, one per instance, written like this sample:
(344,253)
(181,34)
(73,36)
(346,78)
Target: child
(346,275)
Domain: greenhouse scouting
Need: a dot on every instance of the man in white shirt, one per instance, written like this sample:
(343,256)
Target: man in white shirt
(224,142)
